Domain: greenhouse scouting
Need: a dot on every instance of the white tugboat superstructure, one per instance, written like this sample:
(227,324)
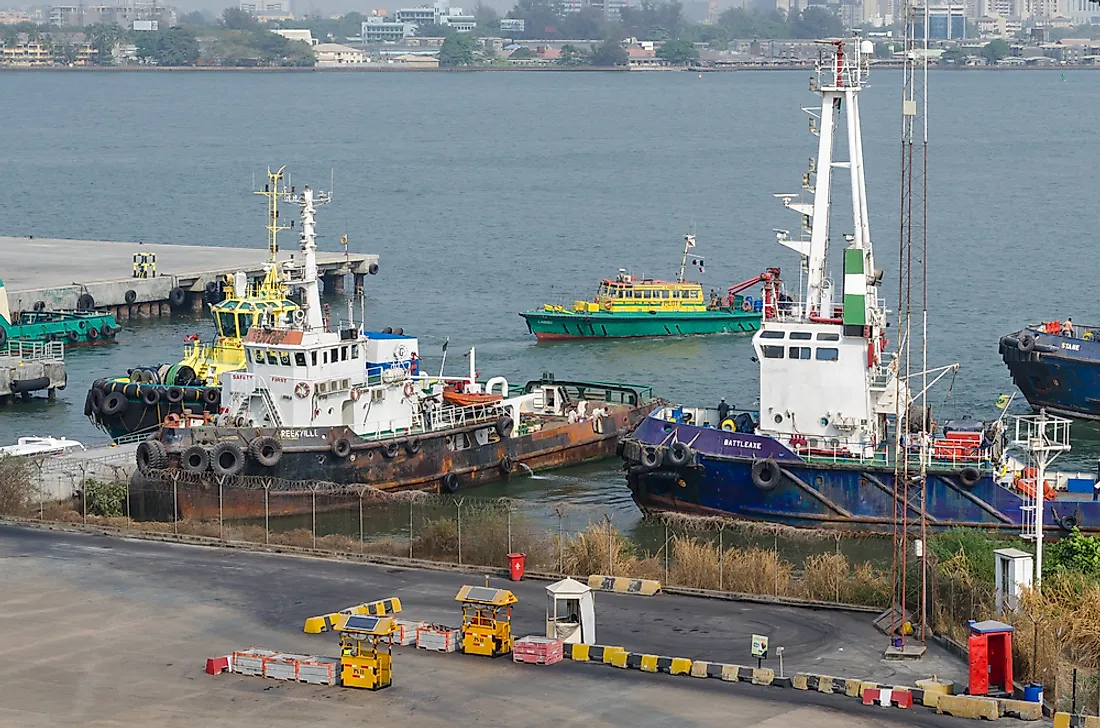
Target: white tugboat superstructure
(825,380)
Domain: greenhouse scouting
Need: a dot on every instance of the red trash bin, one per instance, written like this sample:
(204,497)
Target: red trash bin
(516,563)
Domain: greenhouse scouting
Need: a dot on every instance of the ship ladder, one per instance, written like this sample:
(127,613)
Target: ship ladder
(265,396)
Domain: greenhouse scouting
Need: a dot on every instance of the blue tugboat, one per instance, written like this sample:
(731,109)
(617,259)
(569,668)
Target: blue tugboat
(823,450)
(1057,367)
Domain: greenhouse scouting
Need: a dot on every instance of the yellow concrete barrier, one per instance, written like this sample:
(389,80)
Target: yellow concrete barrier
(610,652)
(649,663)
(1022,709)
(328,622)
(826,684)
(800,681)
(580,652)
(699,668)
(1061,720)
(680,666)
(618,659)
(729,673)
(852,688)
(624,585)
(968,706)
(1091,721)
(933,689)
(763,676)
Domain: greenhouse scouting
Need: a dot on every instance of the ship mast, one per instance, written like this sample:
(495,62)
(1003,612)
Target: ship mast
(911,468)
(311,296)
(689,243)
(272,192)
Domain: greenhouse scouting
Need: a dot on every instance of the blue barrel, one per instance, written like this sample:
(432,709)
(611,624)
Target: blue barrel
(1033,693)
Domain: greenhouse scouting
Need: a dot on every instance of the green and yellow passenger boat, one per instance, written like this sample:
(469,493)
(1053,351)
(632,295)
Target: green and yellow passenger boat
(628,307)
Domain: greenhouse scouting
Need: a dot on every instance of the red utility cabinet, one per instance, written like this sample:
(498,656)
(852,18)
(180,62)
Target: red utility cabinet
(990,658)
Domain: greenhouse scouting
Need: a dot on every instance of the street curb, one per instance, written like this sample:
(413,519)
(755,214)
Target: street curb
(402,561)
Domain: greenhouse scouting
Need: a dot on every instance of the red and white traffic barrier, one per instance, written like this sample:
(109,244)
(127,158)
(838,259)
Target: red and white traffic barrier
(887,697)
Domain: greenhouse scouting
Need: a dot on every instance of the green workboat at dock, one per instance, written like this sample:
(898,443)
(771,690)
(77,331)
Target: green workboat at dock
(629,306)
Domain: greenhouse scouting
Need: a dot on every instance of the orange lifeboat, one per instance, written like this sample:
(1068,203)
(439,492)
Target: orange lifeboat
(1025,483)
(465,399)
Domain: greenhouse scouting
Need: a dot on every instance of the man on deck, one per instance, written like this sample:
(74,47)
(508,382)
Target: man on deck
(1067,327)
(723,411)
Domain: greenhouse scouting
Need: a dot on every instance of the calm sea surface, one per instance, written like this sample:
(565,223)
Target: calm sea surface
(489,193)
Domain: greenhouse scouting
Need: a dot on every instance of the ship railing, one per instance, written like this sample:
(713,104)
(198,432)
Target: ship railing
(449,416)
(36,350)
(941,453)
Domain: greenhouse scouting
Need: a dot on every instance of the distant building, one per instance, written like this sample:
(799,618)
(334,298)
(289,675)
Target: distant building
(990,26)
(267,9)
(413,60)
(27,55)
(1082,12)
(945,22)
(441,13)
(124,13)
(146,26)
(376,29)
(16,15)
(512,25)
(334,54)
(304,35)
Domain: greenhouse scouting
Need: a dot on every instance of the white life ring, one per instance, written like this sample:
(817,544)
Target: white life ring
(409,389)
(301,390)
(401,352)
(355,394)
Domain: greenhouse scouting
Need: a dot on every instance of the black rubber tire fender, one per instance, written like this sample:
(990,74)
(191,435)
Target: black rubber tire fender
(177,297)
(652,457)
(227,458)
(113,404)
(174,395)
(3,335)
(211,396)
(151,396)
(504,426)
(39,306)
(93,333)
(390,449)
(412,446)
(506,466)
(89,408)
(85,302)
(151,455)
(679,454)
(372,269)
(266,450)
(130,296)
(73,336)
(1026,342)
(97,399)
(765,474)
(451,483)
(195,459)
(341,447)
(969,475)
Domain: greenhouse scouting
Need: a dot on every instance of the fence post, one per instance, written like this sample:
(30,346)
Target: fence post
(775,563)
(610,548)
(666,552)
(837,596)
(84,494)
(721,556)
(362,538)
(267,512)
(175,503)
(313,513)
(508,506)
(458,505)
(411,532)
(561,543)
(221,508)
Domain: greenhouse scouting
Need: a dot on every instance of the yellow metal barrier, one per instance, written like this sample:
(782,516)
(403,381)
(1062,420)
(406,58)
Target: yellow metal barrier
(623,585)
(336,620)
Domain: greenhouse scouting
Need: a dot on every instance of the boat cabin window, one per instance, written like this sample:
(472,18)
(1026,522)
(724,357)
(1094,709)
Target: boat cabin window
(355,351)
(696,294)
(284,358)
(636,293)
(801,335)
(227,324)
(798,352)
(675,294)
(828,354)
(828,337)
(271,358)
(299,359)
(335,355)
(343,353)
(772,334)
(313,358)
(773,352)
(259,357)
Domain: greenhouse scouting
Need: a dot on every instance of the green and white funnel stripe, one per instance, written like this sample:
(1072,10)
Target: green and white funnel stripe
(855,288)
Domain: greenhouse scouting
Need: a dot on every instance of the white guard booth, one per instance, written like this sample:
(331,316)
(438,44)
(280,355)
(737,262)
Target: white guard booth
(570,612)
(1013,571)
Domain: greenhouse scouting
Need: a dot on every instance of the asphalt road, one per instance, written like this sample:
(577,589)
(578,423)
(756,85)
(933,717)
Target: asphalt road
(97,630)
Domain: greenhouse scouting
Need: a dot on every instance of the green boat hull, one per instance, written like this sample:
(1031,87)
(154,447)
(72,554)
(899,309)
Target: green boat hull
(547,325)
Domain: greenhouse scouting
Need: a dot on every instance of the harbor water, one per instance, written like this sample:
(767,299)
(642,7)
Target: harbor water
(487,194)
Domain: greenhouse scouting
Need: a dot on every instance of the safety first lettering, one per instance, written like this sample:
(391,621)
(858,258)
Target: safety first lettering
(744,444)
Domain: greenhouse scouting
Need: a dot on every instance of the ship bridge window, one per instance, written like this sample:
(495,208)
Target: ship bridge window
(335,355)
(259,356)
(828,337)
(271,358)
(798,352)
(299,359)
(696,294)
(801,335)
(772,334)
(284,358)
(828,354)
(244,322)
(773,352)
(676,294)
(343,353)
(355,351)
(313,358)
(227,325)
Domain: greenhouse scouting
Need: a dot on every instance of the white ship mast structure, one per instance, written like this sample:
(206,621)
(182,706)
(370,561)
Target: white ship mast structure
(825,379)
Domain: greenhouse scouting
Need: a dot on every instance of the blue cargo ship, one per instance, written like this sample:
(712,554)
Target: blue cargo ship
(840,439)
(1056,367)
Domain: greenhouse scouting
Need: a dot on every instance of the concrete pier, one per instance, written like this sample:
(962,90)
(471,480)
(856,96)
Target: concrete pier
(26,369)
(59,272)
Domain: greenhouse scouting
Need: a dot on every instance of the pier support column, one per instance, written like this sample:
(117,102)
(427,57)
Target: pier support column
(334,284)
(360,282)
(51,394)
(143,310)
(196,301)
(165,309)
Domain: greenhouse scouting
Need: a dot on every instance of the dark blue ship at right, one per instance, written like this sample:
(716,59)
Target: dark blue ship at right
(1057,367)
(838,422)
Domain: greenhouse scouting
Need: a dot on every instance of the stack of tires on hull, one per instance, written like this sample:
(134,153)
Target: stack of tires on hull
(141,403)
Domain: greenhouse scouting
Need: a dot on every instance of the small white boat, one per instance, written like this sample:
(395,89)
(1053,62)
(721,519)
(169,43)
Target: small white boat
(28,446)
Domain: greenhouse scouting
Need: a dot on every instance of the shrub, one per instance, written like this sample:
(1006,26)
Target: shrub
(15,485)
(105,498)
